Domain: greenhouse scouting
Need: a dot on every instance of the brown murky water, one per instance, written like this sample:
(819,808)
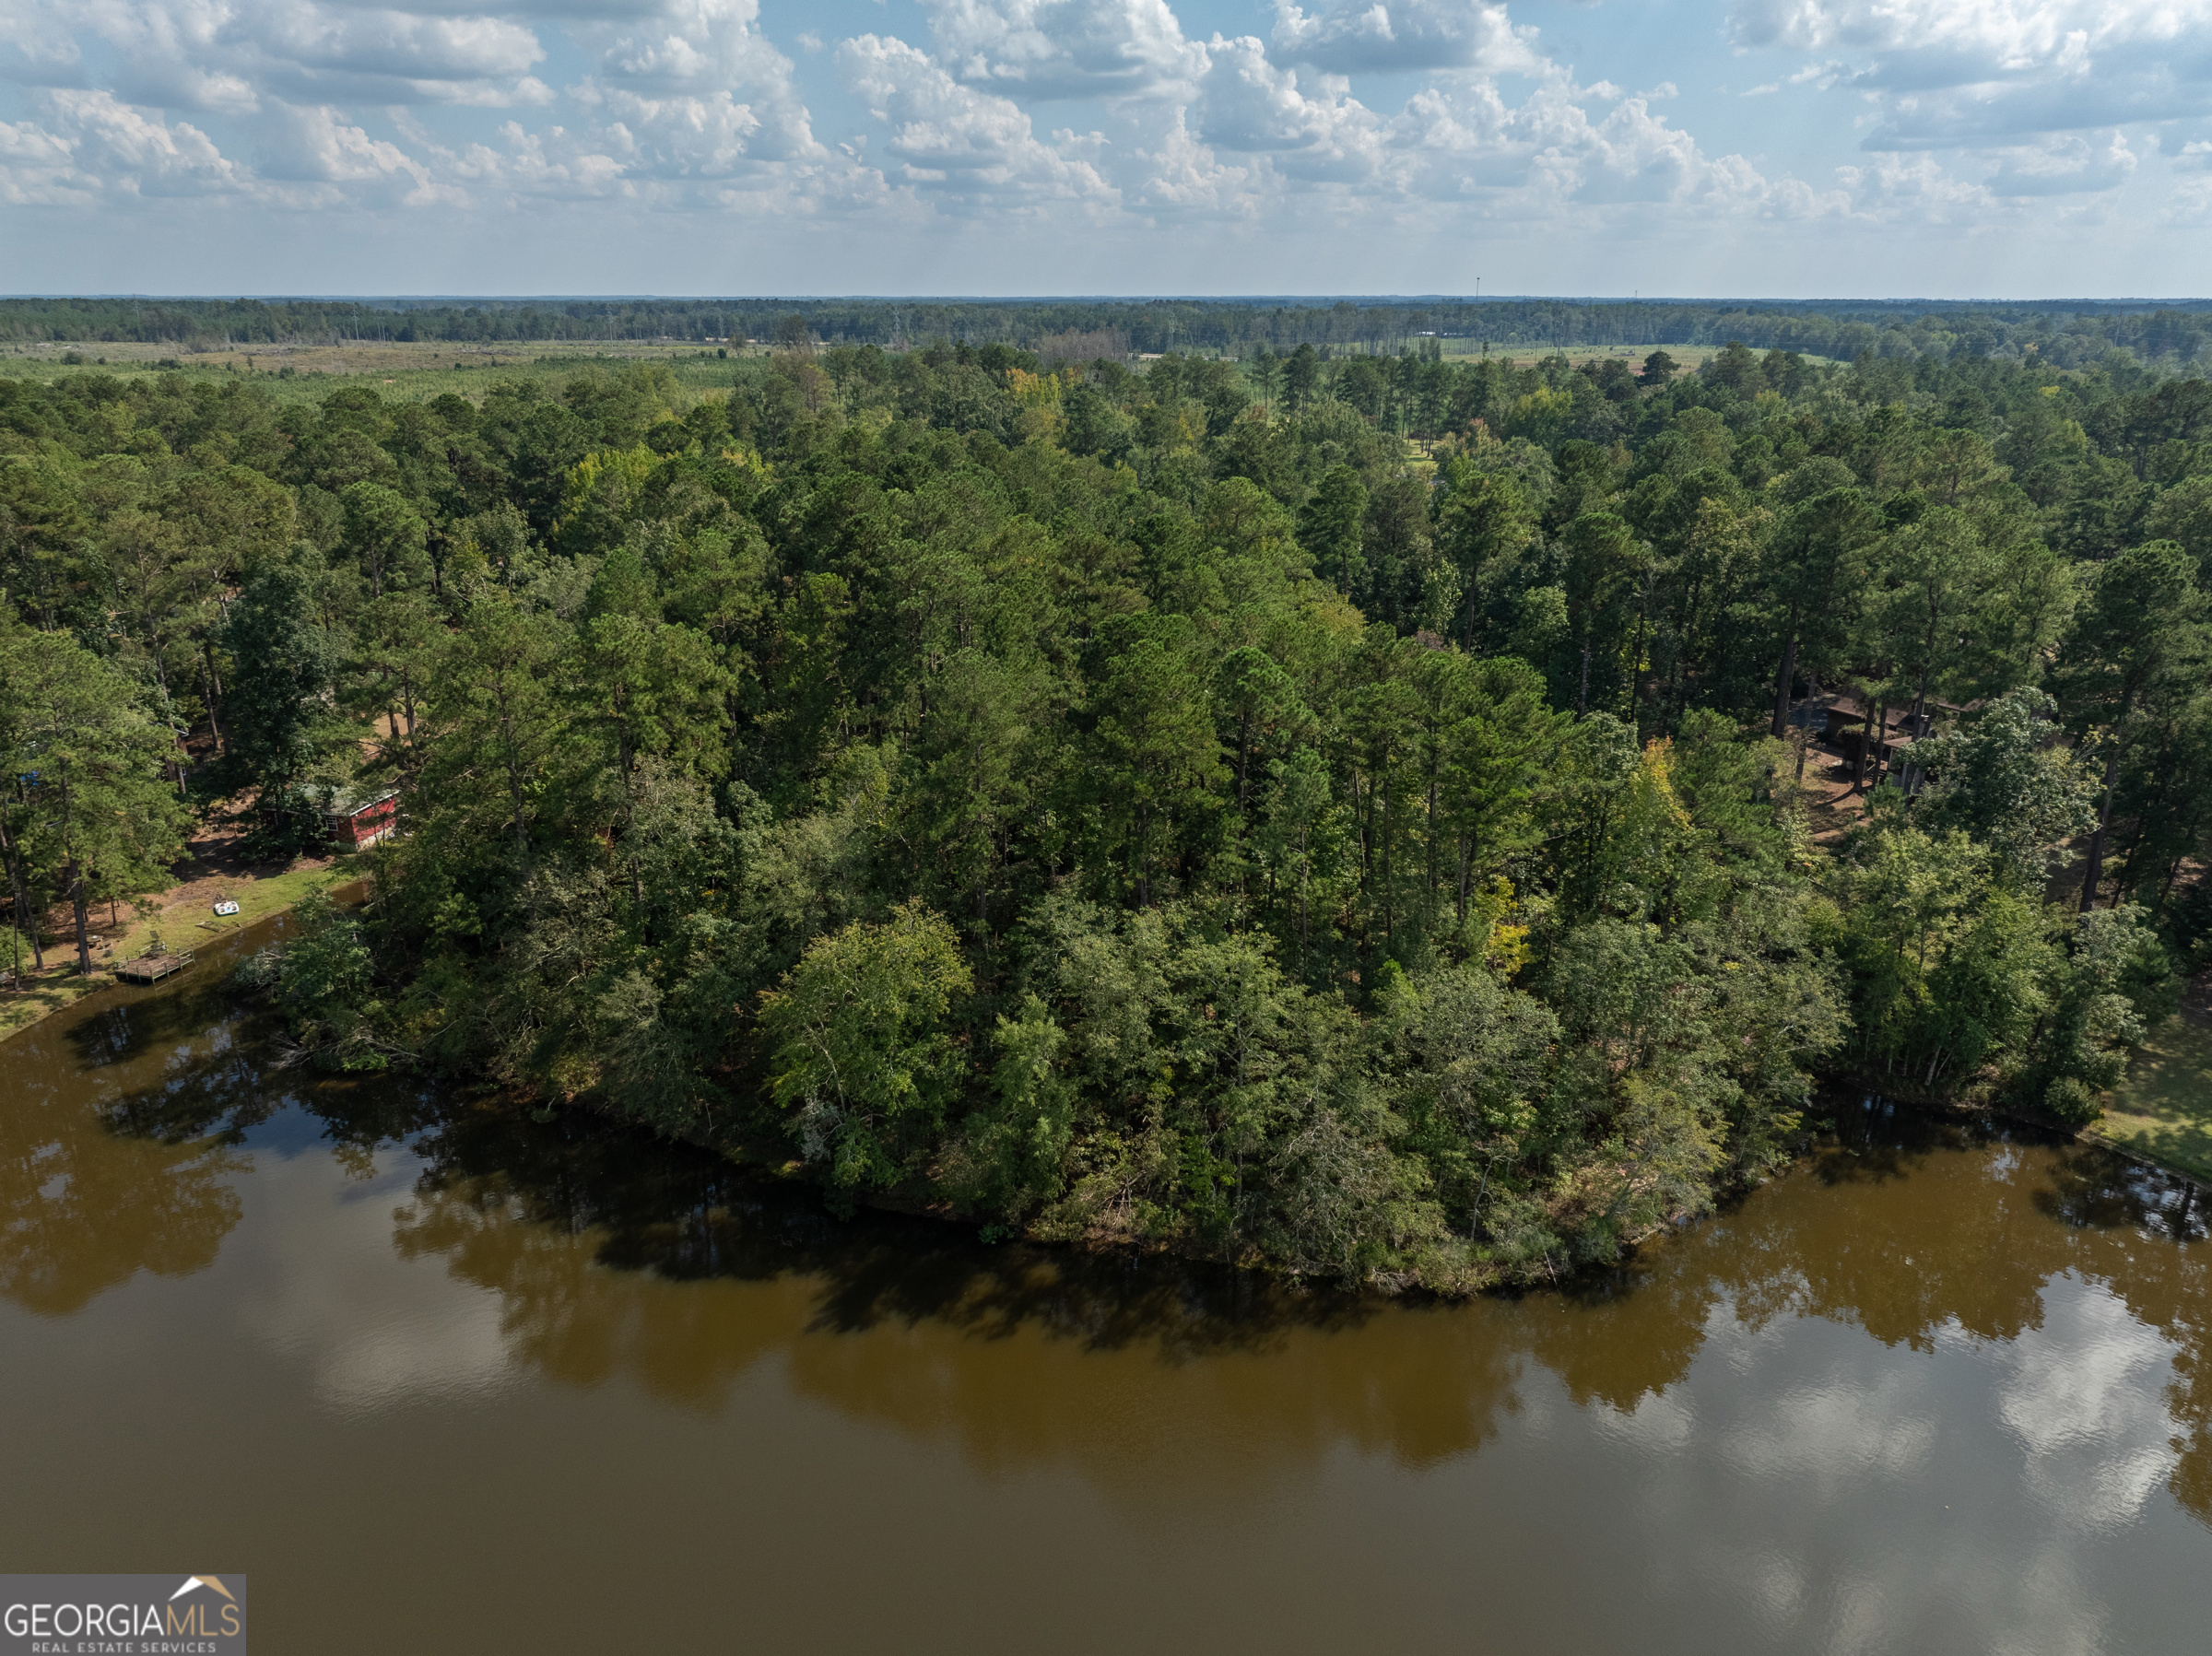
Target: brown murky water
(442,1380)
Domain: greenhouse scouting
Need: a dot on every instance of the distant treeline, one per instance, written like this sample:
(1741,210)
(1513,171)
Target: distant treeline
(2063,334)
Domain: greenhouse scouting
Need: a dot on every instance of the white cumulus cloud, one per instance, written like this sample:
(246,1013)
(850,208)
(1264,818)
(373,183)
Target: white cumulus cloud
(226,55)
(38,169)
(1248,103)
(963,147)
(1054,49)
(1955,74)
(318,146)
(1351,36)
(131,150)
(1360,118)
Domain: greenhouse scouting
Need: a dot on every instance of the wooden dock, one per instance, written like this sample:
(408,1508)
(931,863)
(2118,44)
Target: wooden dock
(152,969)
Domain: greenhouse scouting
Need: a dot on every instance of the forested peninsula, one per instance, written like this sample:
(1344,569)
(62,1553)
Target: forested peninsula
(1316,807)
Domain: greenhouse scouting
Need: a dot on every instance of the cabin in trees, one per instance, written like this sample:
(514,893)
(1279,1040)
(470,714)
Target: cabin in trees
(1847,722)
(354,818)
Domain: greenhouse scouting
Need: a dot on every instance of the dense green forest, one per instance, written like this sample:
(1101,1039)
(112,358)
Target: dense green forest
(2062,334)
(1348,813)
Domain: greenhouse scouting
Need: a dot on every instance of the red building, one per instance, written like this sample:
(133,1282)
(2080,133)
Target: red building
(352,820)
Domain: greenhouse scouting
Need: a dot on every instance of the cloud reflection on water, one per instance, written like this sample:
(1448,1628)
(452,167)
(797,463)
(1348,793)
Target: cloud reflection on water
(1899,1390)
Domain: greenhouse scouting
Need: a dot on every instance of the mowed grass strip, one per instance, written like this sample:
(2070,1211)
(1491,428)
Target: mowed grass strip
(2164,1106)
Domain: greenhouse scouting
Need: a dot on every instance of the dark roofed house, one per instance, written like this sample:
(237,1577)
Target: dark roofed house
(1842,720)
(1846,722)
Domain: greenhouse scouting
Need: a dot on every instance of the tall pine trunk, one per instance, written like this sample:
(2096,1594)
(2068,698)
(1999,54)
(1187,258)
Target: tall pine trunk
(215,692)
(76,907)
(1787,676)
(26,918)
(1873,723)
(2094,873)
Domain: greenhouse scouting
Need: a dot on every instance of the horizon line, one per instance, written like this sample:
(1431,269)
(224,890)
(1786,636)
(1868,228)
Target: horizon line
(1052,298)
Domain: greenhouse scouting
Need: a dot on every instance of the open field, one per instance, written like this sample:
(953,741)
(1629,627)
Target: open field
(418,370)
(2164,1108)
(403,372)
(1524,356)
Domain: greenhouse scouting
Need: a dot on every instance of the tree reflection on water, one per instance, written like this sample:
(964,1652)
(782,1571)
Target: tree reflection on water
(614,1255)
(102,1174)
(597,1241)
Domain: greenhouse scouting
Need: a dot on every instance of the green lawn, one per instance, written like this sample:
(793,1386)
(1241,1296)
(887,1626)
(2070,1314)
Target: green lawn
(184,919)
(2164,1108)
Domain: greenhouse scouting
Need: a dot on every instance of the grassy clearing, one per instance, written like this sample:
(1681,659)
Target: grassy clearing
(1528,356)
(2164,1108)
(1687,358)
(184,917)
(410,372)
(421,370)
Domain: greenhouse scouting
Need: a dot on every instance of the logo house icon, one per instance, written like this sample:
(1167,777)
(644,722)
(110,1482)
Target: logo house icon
(203,1608)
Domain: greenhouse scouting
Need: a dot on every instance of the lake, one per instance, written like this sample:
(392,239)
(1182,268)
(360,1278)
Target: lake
(440,1377)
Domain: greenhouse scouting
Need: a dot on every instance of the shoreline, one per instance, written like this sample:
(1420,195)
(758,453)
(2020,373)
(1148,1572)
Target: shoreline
(183,916)
(763,1162)
(2129,1152)
(264,898)
(2089,1133)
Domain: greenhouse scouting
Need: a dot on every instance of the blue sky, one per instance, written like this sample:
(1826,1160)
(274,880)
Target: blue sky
(1944,149)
